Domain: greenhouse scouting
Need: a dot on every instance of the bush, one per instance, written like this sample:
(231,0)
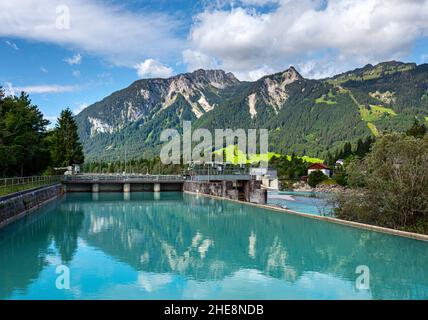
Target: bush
(390,185)
(315,178)
(341,178)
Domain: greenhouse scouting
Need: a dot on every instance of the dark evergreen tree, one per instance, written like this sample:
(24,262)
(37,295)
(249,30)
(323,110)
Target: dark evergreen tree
(66,147)
(23,149)
(360,148)
(347,150)
(329,160)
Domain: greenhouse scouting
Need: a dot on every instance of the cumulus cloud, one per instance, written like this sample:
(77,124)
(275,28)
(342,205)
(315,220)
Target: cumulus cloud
(257,73)
(339,35)
(120,36)
(198,60)
(76,59)
(153,69)
(38,89)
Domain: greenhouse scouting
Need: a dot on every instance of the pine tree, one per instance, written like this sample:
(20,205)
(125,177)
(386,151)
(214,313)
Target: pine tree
(66,147)
(23,150)
(347,150)
(360,148)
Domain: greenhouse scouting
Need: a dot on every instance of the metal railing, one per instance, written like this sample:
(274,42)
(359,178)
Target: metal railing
(220,177)
(207,170)
(16,184)
(122,178)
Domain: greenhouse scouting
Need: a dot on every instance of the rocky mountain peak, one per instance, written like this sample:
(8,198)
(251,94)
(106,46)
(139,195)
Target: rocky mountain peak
(217,78)
(290,75)
(274,89)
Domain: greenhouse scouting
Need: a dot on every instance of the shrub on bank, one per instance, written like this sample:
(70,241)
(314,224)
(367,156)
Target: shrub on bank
(390,185)
(315,178)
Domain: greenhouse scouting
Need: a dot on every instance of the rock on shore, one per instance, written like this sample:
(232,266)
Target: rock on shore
(327,188)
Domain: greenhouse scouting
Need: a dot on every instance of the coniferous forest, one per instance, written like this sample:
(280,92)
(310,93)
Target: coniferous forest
(27,146)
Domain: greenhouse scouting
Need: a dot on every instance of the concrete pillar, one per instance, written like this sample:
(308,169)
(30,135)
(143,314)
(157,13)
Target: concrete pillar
(126,187)
(156,196)
(95,187)
(247,190)
(157,187)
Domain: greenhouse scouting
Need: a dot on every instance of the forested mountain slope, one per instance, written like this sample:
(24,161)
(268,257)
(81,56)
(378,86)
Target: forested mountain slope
(308,117)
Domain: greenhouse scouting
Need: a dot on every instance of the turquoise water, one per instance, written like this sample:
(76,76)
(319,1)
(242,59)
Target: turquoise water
(305,202)
(175,246)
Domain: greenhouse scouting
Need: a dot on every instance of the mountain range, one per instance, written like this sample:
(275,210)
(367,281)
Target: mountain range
(304,116)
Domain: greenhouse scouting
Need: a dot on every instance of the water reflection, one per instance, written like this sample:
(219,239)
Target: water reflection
(166,243)
(29,245)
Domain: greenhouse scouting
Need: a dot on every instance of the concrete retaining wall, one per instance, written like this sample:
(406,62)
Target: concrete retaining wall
(15,206)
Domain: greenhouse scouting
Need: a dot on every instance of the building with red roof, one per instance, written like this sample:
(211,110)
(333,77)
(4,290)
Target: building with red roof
(320,167)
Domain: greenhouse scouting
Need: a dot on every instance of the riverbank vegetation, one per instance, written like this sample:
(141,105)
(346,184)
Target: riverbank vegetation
(389,186)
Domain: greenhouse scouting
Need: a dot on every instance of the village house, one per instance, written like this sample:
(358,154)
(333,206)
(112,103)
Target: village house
(340,162)
(319,167)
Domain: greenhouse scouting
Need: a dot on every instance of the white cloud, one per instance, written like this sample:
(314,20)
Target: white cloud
(38,89)
(198,60)
(342,35)
(80,108)
(323,67)
(258,2)
(12,45)
(9,91)
(120,36)
(53,121)
(76,59)
(153,69)
(257,73)
(44,70)
(76,73)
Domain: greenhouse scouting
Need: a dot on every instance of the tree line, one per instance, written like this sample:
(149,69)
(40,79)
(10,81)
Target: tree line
(27,146)
(133,166)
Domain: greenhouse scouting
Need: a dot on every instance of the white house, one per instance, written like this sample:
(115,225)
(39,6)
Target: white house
(319,167)
(340,162)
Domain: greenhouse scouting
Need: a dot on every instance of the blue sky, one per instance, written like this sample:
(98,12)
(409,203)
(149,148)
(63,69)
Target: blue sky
(72,53)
